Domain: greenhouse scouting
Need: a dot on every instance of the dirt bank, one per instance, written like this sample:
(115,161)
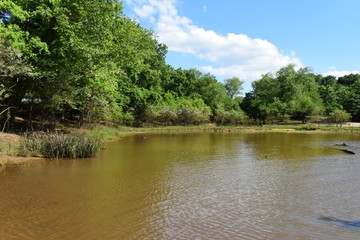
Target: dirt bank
(8,150)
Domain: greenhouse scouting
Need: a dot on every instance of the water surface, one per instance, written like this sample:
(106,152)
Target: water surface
(189,186)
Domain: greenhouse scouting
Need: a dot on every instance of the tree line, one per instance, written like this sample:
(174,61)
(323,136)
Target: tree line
(302,95)
(84,61)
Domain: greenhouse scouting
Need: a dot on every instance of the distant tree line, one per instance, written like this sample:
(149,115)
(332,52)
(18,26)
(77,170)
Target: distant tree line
(84,61)
(302,95)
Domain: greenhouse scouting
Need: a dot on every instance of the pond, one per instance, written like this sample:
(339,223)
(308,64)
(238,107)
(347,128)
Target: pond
(189,186)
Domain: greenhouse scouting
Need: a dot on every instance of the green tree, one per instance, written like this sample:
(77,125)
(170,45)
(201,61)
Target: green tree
(349,98)
(179,82)
(339,117)
(291,93)
(263,102)
(299,90)
(328,92)
(349,79)
(88,59)
(210,90)
(233,87)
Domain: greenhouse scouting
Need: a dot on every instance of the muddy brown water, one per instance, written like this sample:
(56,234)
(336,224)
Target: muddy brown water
(189,186)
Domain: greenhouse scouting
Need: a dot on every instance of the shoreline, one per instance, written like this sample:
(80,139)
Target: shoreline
(108,134)
(15,160)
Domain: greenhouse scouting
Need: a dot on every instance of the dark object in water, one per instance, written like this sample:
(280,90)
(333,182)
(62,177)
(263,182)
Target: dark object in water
(341,222)
(344,144)
(345,150)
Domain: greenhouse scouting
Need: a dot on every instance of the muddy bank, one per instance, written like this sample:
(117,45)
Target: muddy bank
(19,160)
(8,150)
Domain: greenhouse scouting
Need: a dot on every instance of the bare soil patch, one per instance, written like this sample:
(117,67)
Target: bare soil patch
(8,150)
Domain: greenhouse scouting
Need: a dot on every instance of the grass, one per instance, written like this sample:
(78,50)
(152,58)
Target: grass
(101,132)
(9,144)
(58,145)
(7,148)
(307,128)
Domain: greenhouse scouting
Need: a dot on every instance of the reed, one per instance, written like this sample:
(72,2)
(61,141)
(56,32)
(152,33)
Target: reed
(58,145)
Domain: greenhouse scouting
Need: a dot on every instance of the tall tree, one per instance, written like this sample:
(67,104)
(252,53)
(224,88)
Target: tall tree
(290,93)
(349,98)
(88,58)
(233,87)
(328,92)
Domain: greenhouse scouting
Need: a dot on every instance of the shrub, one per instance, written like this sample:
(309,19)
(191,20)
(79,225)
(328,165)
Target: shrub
(229,117)
(192,115)
(339,117)
(161,115)
(167,115)
(187,111)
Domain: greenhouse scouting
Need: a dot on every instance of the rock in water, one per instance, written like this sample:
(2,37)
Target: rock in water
(341,222)
(347,151)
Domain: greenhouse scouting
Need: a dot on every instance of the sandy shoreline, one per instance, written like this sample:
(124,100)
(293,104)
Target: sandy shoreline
(20,160)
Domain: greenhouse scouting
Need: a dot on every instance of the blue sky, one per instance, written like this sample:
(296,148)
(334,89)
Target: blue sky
(246,38)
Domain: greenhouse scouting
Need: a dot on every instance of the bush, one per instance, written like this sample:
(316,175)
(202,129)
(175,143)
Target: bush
(161,115)
(58,145)
(184,111)
(339,117)
(165,115)
(232,117)
(192,115)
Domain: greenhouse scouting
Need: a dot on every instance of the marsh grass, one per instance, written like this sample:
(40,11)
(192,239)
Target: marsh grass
(58,145)
(102,132)
(307,128)
(9,144)
(8,149)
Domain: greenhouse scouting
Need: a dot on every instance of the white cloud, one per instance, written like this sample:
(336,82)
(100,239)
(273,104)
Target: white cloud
(227,55)
(332,67)
(144,11)
(339,73)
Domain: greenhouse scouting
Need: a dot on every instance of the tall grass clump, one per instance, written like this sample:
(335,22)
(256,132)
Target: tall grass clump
(58,145)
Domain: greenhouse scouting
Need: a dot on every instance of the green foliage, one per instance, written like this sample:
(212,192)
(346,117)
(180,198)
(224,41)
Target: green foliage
(86,62)
(193,115)
(57,145)
(12,66)
(290,93)
(303,107)
(232,117)
(327,91)
(307,128)
(341,94)
(89,58)
(349,79)
(210,90)
(339,117)
(160,115)
(183,111)
(101,132)
(349,98)
(233,87)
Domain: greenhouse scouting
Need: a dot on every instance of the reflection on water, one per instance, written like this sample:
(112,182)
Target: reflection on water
(189,186)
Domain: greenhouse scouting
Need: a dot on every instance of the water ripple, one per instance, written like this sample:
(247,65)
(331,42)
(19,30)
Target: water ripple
(188,186)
